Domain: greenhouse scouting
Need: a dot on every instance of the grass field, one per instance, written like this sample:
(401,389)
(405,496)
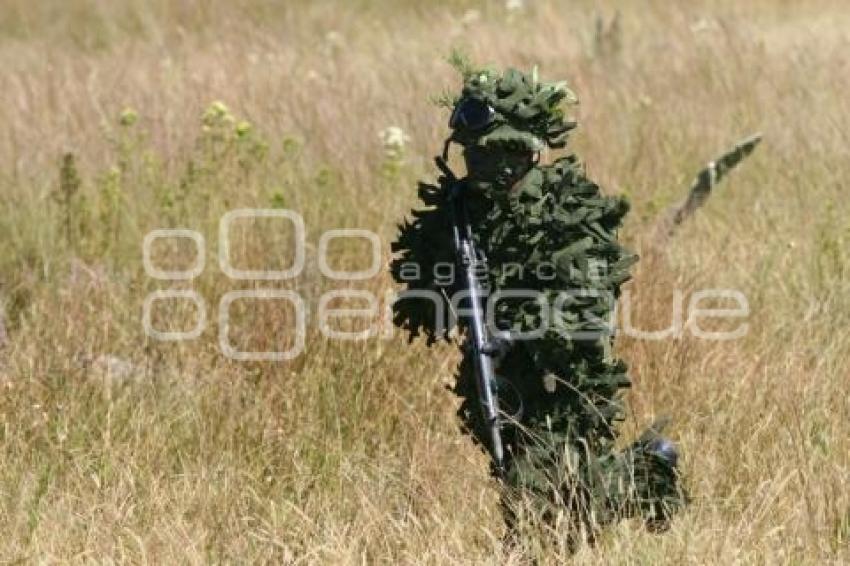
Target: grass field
(118,447)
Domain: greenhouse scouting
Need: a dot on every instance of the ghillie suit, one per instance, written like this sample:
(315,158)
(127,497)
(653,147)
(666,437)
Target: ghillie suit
(550,241)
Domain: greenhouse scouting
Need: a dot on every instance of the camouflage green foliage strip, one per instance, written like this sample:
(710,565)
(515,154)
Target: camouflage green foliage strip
(550,236)
(704,183)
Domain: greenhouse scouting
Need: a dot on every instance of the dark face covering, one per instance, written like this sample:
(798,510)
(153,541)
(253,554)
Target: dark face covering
(496,166)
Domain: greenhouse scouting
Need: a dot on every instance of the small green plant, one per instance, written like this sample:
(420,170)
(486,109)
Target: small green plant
(69,186)
(290,147)
(608,37)
(128,117)
(230,150)
(841,531)
(277,199)
(110,195)
(251,149)
(128,140)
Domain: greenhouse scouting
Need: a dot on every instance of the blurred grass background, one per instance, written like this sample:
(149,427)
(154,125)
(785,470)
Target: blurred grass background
(174,112)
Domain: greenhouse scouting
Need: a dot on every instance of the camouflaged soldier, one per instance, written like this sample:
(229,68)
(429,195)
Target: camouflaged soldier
(550,239)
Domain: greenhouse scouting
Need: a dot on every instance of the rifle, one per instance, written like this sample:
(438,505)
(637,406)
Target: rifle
(471,262)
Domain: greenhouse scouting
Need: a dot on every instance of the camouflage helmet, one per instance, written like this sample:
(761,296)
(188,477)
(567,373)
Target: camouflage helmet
(513,110)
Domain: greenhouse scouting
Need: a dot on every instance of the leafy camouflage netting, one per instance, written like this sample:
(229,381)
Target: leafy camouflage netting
(547,230)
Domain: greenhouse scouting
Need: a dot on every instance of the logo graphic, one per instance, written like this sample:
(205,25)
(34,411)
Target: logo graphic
(378,323)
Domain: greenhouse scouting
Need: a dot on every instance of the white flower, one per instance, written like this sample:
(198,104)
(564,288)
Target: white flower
(334,38)
(703,25)
(334,43)
(394,139)
(470,17)
(514,5)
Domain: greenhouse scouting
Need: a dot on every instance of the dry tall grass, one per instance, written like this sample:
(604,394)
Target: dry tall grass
(351,453)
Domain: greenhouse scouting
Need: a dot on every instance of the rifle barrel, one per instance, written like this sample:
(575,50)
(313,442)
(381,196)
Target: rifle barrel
(485,379)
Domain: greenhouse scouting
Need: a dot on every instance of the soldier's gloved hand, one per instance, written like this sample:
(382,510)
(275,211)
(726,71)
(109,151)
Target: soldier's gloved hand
(497,347)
